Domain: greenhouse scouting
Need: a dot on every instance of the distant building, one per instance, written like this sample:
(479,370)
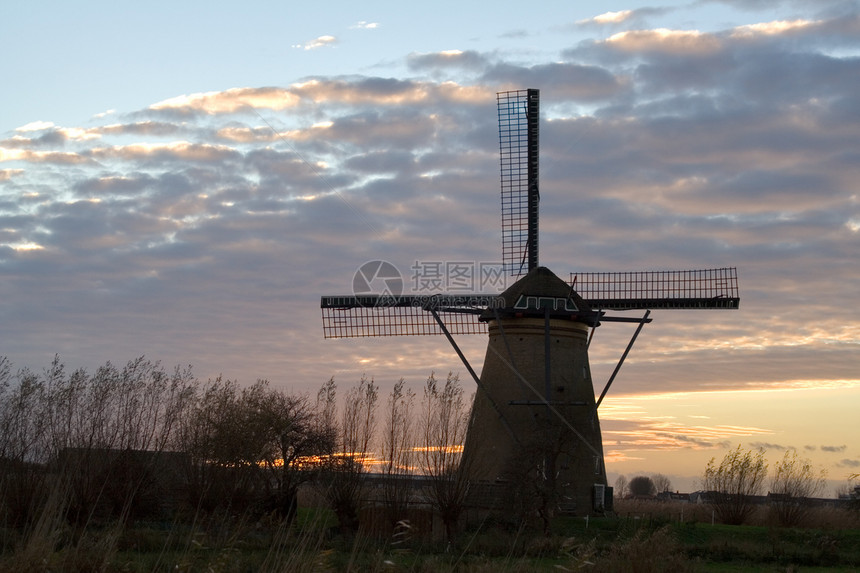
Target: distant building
(852,495)
(673,496)
(111,482)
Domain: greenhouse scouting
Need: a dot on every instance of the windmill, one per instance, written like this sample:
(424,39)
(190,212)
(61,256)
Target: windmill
(534,432)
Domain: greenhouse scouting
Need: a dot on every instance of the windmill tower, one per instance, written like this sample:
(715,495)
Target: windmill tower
(534,433)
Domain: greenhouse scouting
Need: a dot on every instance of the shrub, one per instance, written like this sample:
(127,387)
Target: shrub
(733,484)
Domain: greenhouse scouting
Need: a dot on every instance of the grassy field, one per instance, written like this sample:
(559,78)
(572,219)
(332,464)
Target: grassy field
(641,538)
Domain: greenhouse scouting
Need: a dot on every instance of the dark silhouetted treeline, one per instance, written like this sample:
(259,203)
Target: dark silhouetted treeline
(141,441)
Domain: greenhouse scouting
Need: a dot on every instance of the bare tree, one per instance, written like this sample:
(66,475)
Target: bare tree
(853,492)
(248,447)
(224,443)
(733,483)
(100,435)
(5,376)
(22,426)
(85,428)
(325,411)
(398,451)
(794,481)
(342,476)
(143,403)
(444,423)
(621,487)
(22,434)
(290,435)
(661,483)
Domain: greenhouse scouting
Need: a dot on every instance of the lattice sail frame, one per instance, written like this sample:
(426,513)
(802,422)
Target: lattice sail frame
(519,125)
(376,315)
(706,288)
(373,315)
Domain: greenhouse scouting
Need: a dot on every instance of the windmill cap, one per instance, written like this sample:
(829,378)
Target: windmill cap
(537,290)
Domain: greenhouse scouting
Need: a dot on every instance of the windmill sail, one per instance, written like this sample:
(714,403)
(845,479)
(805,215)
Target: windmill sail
(376,315)
(695,289)
(405,315)
(519,120)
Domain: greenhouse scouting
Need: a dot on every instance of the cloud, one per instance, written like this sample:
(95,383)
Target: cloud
(468,60)
(49,135)
(35,126)
(228,101)
(174,151)
(142,128)
(613,17)
(316,43)
(364,25)
(562,80)
(833,448)
(770,5)
(774,28)
(52,157)
(769,446)
(616,456)
(637,17)
(244,134)
(6,174)
(622,432)
(371,93)
(516,34)
(848,463)
(665,41)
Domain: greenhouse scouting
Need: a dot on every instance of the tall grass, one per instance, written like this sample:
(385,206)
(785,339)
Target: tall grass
(648,511)
(269,544)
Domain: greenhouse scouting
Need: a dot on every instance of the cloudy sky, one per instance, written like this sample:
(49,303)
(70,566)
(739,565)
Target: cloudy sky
(184,180)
